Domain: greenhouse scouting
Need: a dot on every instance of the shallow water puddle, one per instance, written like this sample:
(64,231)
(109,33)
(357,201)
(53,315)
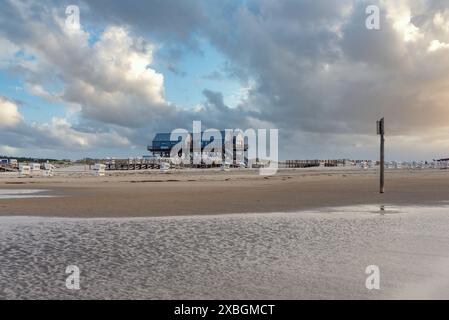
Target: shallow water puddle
(360,210)
(23,193)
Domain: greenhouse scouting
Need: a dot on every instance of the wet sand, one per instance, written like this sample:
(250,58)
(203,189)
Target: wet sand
(190,250)
(317,254)
(199,192)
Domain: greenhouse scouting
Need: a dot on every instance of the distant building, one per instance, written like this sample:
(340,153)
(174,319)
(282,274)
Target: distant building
(10,162)
(162,144)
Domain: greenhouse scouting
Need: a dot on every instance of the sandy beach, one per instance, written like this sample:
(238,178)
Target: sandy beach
(208,234)
(200,192)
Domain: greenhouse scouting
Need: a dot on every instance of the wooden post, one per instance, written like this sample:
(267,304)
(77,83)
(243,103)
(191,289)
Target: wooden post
(382,163)
(381,132)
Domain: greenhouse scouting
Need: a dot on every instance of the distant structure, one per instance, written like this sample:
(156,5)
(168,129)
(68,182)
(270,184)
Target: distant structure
(9,165)
(162,144)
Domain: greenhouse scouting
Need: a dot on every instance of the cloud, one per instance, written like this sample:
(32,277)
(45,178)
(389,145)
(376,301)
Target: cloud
(58,136)
(437,45)
(117,85)
(319,70)
(316,72)
(168,20)
(8,150)
(9,114)
(61,133)
(107,82)
(110,77)
(7,53)
(38,91)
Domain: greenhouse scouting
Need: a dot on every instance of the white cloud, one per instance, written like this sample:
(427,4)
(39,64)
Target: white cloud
(38,91)
(8,150)
(111,79)
(399,12)
(62,133)
(437,45)
(9,114)
(120,72)
(441,20)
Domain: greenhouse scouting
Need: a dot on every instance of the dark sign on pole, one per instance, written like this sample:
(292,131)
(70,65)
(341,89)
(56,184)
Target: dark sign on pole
(380,126)
(381,132)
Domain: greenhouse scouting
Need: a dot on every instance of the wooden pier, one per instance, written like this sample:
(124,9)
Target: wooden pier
(311,163)
(302,163)
(8,168)
(144,164)
(132,164)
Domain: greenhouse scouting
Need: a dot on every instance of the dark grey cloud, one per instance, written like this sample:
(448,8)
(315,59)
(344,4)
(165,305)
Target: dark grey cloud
(318,68)
(177,20)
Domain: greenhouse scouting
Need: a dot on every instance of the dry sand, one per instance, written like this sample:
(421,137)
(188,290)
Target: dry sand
(198,192)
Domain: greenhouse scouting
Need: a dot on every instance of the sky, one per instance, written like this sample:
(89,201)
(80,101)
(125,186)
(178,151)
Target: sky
(309,68)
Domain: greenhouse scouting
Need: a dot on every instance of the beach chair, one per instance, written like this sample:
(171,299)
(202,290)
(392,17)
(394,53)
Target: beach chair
(164,166)
(24,170)
(35,169)
(363,165)
(397,165)
(49,170)
(226,166)
(99,170)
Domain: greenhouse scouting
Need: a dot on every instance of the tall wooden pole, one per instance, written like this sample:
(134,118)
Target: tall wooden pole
(381,131)
(382,163)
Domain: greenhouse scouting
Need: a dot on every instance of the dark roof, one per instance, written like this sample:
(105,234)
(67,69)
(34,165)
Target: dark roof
(161,137)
